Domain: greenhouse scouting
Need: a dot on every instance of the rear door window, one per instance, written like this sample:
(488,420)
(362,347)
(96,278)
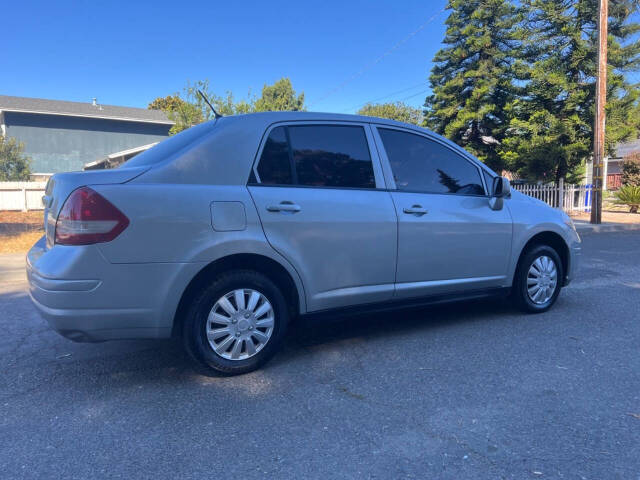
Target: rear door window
(317,156)
(331,156)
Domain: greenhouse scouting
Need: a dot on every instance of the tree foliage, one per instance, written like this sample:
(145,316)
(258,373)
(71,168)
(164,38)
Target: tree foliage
(515,82)
(14,165)
(551,125)
(473,77)
(631,170)
(279,97)
(188,108)
(394,111)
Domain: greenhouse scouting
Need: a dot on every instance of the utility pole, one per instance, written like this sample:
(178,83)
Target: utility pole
(599,120)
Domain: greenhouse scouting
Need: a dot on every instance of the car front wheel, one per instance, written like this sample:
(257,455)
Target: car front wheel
(538,279)
(236,323)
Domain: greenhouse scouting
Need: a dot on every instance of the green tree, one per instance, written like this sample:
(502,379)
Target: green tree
(394,111)
(14,165)
(631,170)
(188,108)
(184,113)
(473,76)
(168,103)
(550,133)
(278,97)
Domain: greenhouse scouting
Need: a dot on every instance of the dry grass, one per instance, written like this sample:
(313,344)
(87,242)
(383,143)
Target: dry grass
(18,243)
(19,230)
(7,216)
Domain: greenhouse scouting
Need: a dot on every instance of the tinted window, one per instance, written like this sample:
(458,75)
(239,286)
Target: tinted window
(488,179)
(331,156)
(274,167)
(423,165)
(168,147)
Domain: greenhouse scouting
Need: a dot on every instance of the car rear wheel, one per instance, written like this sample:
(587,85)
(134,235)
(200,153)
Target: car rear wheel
(236,323)
(538,279)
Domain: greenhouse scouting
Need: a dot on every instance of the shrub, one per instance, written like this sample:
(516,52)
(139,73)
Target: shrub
(631,170)
(629,195)
(14,166)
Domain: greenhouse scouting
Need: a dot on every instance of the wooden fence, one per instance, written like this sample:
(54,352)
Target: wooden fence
(21,195)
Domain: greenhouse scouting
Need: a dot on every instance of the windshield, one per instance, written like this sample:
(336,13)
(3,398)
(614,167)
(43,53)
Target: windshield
(168,147)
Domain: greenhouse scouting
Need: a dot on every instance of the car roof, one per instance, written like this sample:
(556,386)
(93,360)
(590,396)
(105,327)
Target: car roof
(274,117)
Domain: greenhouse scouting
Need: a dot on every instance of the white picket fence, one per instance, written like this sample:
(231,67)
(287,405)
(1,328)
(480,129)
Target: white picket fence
(568,197)
(21,195)
(575,198)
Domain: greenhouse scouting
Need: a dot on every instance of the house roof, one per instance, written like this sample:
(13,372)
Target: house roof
(627,148)
(123,155)
(80,109)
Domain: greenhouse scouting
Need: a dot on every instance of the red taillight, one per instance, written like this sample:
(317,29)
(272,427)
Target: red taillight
(87,217)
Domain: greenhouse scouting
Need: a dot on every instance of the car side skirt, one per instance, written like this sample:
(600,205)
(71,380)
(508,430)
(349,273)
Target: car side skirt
(408,303)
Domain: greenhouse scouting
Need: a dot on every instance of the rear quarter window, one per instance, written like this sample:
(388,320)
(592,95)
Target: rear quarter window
(168,147)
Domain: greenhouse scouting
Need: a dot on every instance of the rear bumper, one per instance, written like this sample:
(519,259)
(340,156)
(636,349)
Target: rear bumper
(98,325)
(87,299)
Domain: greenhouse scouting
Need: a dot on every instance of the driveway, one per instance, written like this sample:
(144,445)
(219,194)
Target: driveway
(473,390)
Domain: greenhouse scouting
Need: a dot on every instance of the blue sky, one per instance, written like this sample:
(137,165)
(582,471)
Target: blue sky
(128,53)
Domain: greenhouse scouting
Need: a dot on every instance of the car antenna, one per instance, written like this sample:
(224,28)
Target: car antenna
(216,115)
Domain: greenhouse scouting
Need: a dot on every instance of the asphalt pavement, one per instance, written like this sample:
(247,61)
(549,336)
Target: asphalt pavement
(468,391)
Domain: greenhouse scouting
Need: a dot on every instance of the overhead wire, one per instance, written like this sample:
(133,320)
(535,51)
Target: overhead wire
(377,60)
(384,97)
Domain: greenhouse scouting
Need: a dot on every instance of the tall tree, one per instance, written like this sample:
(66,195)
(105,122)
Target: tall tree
(551,132)
(394,111)
(14,165)
(473,77)
(279,96)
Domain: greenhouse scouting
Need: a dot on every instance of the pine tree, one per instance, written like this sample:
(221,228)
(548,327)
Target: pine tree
(550,134)
(473,77)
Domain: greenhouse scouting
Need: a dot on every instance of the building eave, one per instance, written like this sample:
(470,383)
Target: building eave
(102,117)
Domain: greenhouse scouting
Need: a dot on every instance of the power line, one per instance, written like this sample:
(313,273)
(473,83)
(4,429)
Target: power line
(372,64)
(421,84)
(414,95)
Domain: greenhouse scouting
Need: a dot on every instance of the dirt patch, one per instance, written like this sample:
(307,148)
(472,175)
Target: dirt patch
(614,217)
(19,230)
(7,216)
(18,243)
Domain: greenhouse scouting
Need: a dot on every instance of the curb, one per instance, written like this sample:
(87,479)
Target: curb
(586,228)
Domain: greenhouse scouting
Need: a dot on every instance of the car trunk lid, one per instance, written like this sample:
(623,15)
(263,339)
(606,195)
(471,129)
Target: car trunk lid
(60,186)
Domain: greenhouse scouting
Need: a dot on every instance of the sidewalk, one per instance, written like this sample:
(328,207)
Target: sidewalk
(611,222)
(584,227)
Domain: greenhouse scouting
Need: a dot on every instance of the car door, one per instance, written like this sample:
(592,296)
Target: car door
(449,238)
(319,192)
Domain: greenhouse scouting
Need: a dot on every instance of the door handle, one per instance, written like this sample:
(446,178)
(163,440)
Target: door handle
(415,210)
(285,206)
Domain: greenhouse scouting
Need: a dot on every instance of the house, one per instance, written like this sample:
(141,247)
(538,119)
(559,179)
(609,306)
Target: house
(62,136)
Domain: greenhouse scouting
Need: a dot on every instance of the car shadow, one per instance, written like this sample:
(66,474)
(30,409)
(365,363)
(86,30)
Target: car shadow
(307,332)
(122,364)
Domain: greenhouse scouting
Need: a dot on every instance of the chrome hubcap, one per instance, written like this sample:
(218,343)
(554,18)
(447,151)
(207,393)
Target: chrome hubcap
(240,324)
(542,280)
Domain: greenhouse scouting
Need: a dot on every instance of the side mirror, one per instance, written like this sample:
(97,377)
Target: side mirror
(501,187)
(499,190)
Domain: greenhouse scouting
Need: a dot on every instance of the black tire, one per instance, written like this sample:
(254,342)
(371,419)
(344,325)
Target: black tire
(519,292)
(194,334)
